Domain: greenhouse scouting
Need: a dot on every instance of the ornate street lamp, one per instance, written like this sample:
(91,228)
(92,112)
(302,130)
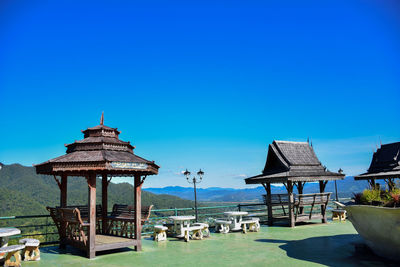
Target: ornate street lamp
(194,181)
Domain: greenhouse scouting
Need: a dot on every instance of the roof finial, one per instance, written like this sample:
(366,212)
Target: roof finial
(102,118)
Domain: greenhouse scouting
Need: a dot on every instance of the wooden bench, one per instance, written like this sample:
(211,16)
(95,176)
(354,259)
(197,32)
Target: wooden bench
(311,200)
(205,228)
(197,233)
(160,233)
(254,225)
(31,251)
(222,226)
(122,219)
(75,227)
(12,251)
(127,212)
(281,200)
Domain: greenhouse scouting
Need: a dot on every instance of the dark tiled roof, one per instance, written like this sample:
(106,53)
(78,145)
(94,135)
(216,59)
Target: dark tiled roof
(292,161)
(385,163)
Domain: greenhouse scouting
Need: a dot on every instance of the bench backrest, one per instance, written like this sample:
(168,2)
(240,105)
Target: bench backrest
(84,210)
(313,199)
(71,215)
(127,211)
(278,199)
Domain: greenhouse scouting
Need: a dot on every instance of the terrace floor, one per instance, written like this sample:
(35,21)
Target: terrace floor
(333,244)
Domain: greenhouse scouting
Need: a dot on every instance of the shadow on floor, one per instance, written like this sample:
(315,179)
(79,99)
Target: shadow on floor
(335,250)
(77,252)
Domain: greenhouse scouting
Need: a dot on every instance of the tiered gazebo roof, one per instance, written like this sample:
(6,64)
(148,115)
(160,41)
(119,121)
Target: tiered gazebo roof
(385,163)
(101,149)
(292,161)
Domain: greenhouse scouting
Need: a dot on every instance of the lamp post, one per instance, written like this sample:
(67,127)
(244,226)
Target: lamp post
(194,181)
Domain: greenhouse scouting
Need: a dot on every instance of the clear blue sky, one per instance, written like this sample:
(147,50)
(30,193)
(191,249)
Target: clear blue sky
(205,84)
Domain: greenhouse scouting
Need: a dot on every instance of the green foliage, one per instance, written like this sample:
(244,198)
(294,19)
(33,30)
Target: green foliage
(371,195)
(23,192)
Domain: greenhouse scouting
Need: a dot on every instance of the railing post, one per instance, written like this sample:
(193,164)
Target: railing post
(47,222)
(176,212)
(239,207)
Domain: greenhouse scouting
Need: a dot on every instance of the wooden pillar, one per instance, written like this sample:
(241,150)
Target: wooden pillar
(291,202)
(267,187)
(322,185)
(104,203)
(63,204)
(91,179)
(300,186)
(63,191)
(138,212)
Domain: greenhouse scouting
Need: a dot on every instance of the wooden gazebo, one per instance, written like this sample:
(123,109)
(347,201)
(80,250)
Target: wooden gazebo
(100,154)
(385,165)
(294,164)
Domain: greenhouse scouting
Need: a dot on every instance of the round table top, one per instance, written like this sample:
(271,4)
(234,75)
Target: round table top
(9,231)
(182,218)
(235,213)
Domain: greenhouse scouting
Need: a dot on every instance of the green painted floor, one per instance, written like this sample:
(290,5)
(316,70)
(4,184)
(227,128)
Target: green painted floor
(332,244)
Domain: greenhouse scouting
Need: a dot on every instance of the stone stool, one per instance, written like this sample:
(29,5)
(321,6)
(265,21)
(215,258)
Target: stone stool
(222,226)
(338,214)
(205,226)
(197,233)
(160,233)
(12,251)
(254,225)
(31,251)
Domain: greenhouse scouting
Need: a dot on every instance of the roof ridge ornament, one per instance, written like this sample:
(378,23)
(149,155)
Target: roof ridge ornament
(102,118)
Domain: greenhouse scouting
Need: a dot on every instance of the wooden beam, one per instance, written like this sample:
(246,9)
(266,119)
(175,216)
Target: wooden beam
(267,187)
(322,185)
(104,202)
(289,188)
(91,179)
(138,212)
(63,190)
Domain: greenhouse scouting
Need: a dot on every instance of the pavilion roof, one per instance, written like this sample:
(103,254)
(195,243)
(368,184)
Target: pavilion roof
(101,150)
(385,163)
(292,161)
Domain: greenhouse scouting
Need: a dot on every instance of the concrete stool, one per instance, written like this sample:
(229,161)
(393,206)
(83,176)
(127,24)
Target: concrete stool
(338,214)
(254,225)
(197,233)
(12,251)
(31,251)
(160,233)
(206,231)
(222,226)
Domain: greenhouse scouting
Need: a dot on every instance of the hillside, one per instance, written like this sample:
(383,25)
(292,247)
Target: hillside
(23,192)
(346,188)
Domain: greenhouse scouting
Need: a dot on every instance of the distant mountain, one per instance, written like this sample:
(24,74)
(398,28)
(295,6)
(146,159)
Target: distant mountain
(346,188)
(23,192)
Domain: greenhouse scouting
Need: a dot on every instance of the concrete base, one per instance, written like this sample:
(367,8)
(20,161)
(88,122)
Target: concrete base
(380,228)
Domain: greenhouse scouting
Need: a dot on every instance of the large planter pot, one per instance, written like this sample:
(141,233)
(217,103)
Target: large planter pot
(380,228)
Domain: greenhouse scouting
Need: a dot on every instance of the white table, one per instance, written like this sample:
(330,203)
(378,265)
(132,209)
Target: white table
(236,217)
(5,233)
(180,222)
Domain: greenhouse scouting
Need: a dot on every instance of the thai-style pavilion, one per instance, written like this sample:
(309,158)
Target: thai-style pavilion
(294,164)
(100,154)
(385,165)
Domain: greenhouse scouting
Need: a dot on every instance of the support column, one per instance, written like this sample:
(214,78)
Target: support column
(63,203)
(63,191)
(138,212)
(291,202)
(104,203)
(300,186)
(91,179)
(322,185)
(267,187)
